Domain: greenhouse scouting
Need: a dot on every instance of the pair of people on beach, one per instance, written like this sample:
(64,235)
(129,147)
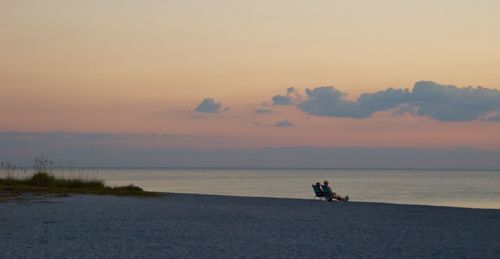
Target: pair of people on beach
(328,193)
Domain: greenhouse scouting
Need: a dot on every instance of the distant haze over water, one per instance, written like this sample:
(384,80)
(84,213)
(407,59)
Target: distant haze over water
(142,150)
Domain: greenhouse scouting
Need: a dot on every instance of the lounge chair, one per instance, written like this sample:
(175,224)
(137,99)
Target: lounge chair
(327,194)
(318,193)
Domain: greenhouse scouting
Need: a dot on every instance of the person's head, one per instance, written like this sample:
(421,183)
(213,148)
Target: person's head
(318,184)
(325,182)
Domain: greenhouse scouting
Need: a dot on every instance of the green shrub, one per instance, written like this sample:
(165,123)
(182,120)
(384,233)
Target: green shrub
(128,188)
(79,183)
(43,182)
(42,179)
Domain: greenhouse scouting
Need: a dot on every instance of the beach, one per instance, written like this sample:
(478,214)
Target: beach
(210,226)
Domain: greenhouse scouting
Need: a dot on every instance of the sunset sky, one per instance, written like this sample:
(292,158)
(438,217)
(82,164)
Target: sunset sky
(219,74)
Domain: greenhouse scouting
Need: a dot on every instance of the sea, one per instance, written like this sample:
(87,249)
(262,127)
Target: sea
(456,188)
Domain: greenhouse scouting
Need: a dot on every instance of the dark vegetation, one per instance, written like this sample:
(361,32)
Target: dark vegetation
(43,182)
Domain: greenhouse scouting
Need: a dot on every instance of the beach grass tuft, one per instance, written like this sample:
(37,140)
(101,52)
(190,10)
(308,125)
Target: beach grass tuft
(43,182)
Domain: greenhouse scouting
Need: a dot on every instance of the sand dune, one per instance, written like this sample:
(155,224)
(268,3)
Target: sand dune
(204,226)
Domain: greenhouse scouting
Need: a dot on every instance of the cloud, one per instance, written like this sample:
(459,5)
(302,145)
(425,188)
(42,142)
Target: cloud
(208,105)
(284,124)
(404,109)
(291,90)
(328,101)
(291,97)
(440,102)
(495,117)
(383,100)
(263,111)
(282,100)
(451,103)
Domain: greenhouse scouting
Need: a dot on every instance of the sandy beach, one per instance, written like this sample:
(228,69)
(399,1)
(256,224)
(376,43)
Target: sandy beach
(205,226)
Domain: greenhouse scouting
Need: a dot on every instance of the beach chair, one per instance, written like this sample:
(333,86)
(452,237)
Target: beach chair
(327,194)
(318,193)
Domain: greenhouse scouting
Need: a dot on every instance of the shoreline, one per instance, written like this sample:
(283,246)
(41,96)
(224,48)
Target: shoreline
(216,226)
(350,201)
(23,196)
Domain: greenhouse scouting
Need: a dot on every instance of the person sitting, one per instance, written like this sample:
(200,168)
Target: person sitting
(318,186)
(317,191)
(330,195)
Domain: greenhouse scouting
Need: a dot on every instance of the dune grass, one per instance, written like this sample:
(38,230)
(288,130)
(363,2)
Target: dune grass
(43,182)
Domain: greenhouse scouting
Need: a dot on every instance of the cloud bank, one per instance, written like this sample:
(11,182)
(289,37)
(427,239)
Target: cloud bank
(111,150)
(427,98)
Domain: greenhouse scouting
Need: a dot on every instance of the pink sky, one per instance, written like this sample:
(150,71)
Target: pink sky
(133,67)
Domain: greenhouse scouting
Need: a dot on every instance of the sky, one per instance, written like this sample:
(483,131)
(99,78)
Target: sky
(254,74)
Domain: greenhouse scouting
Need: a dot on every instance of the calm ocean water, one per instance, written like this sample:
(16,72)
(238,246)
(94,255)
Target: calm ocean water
(474,189)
